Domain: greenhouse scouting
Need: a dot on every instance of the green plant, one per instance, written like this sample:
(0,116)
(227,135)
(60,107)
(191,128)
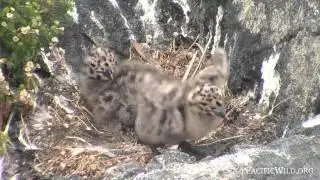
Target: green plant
(247,8)
(26,26)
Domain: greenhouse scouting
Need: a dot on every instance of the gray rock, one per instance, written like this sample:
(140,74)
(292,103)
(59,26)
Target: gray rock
(296,157)
(288,33)
(274,48)
(281,36)
(167,158)
(125,171)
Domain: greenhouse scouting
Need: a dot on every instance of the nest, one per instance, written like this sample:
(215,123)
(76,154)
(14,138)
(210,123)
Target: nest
(66,143)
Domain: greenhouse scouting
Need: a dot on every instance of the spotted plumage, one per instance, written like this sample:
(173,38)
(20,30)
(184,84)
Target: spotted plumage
(163,110)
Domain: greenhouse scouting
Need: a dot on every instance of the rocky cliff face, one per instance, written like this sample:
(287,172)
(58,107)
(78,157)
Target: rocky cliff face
(274,51)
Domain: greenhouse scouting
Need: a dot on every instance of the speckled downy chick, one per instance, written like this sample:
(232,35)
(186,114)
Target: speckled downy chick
(100,92)
(131,80)
(110,87)
(170,112)
(216,71)
(96,72)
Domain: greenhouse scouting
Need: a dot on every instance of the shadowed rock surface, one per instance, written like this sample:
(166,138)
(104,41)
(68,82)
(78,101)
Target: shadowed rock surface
(252,32)
(296,157)
(274,52)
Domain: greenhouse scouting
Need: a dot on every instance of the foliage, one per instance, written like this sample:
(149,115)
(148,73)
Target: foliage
(26,26)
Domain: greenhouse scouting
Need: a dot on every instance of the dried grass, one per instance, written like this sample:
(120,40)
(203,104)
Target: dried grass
(69,144)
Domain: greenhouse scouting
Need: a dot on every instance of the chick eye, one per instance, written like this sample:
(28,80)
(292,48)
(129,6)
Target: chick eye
(213,78)
(218,103)
(107,73)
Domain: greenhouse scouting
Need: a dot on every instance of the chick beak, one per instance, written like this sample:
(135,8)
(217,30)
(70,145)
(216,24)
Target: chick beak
(220,111)
(107,73)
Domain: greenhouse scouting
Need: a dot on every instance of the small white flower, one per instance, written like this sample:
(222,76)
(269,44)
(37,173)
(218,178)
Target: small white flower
(15,39)
(2,60)
(28,74)
(54,40)
(20,43)
(56,22)
(34,22)
(30,64)
(25,30)
(27,69)
(1,77)
(9,15)
(61,50)
(27,3)
(23,95)
(61,28)
(4,24)
(36,31)
(7,87)
(12,9)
